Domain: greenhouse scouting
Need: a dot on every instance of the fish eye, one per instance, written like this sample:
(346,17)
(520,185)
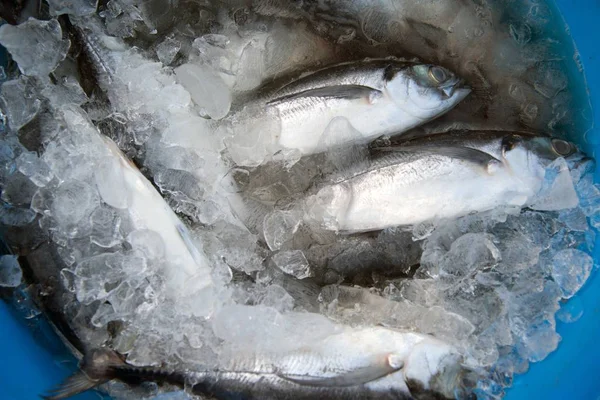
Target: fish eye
(561,147)
(438,74)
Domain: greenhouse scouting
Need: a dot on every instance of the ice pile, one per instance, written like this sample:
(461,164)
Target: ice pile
(491,284)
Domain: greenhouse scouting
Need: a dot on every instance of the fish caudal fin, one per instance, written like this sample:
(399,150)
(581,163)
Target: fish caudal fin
(74,384)
(96,368)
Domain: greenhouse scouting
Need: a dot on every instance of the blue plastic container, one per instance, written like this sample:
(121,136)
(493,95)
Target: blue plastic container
(34,360)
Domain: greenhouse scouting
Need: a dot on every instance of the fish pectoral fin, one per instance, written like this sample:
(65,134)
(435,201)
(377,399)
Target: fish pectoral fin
(74,384)
(358,376)
(469,154)
(347,92)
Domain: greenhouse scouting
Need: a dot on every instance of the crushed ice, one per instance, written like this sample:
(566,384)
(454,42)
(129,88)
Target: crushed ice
(491,284)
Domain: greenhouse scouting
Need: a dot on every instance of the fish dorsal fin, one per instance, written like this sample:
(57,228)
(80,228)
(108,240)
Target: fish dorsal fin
(348,92)
(469,154)
(387,364)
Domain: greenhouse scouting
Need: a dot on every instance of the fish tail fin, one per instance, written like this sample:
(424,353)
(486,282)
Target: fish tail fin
(97,367)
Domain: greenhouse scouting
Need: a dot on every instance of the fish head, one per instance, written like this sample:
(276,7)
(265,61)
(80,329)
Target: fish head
(425,91)
(535,151)
(433,369)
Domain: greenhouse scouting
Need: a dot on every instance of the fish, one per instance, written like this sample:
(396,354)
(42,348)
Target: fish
(436,177)
(356,363)
(378,97)
(145,206)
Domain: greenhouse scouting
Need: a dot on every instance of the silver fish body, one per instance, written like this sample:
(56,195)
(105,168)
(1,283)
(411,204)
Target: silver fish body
(443,176)
(368,363)
(377,97)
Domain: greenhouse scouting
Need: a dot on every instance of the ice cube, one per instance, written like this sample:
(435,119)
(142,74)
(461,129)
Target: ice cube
(110,181)
(207,88)
(277,297)
(338,133)
(18,103)
(10,271)
(179,181)
(445,324)
(467,254)
(30,165)
(16,216)
(570,311)
(483,349)
(251,66)
(279,228)
(570,270)
(106,225)
(104,314)
(149,242)
(73,201)
(293,263)
(557,192)
(245,324)
(37,46)
(167,50)
(574,219)
(540,340)
(78,8)
(66,91)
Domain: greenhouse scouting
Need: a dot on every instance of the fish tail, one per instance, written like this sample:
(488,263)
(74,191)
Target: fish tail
(96,367)
(102,365)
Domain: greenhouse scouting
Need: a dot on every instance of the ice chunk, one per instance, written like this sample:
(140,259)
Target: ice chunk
(279,228)
(207,88)
(570,270)
(570,311)
(73,201)
(150,243)
(445,324)
(106,225)
(179,181)
(110,181)
(18,102)
(66,91)
(10,271)
(104,314)
(467,254)
(557,192)
(540,340)
(37,46)
(76,8)
(251,66)
(30,165)
(574,219)
(339,132)
(293,263)
(277,297)
(167,50)
(16,216)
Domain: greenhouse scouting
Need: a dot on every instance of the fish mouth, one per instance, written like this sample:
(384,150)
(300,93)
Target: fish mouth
(455,85)
(459,91)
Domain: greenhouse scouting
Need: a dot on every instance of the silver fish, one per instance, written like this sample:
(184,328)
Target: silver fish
(377,97)
(368,363)
(441,176)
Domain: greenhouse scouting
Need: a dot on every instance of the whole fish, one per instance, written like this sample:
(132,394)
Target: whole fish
(368,363)
(378,97)
(440,176)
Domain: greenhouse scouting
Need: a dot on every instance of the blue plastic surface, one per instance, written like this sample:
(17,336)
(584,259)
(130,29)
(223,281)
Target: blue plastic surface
(571,372)
(29,365)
